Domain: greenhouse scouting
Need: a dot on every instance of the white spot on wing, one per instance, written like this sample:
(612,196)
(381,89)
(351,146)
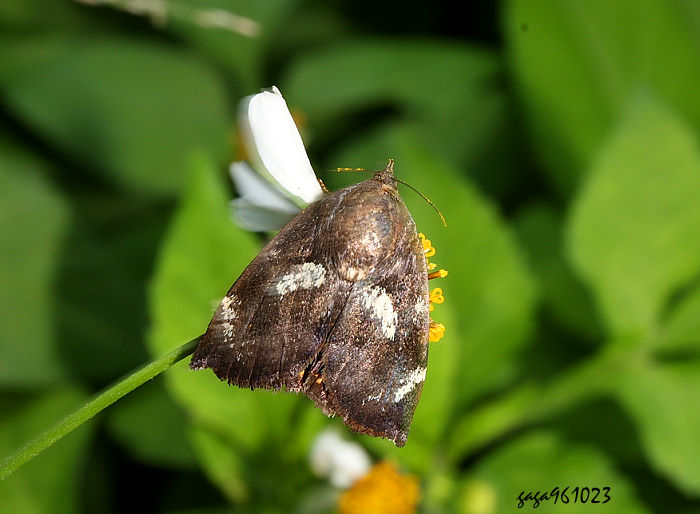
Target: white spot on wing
(305,276)
(422,306)
(376,300)
(228,330)
(416,377)
(228,311)
(372,398)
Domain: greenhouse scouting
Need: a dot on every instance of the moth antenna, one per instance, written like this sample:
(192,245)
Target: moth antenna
(323,186)
(341,170)
(442,218)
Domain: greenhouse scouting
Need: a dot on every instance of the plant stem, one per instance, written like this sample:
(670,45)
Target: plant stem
(97,404)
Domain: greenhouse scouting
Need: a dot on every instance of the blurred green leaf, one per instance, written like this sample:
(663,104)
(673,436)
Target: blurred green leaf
(51,482)
(223,464)
(576,63)
(664,401)
(681,331)
(540,229)
(451,92)
(33,220)
(539,462)
(152,427)
(251,478)
(604,423)
(101,288)
(633,234)
(242,55)
(489,296)
(431,78)
(41,15)
(128,108)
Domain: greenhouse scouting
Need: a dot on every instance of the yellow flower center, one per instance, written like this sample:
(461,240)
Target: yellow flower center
(382,490)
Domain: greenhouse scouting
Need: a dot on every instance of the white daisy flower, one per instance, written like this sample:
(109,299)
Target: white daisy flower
(341,462)
(279,181)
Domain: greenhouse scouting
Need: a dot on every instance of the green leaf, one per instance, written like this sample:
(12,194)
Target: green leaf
(33,221)
(50,483)
(428,76)
(152,427)
(540,229)
(576,64)
(664,401)
(129,109)
(449,90)
(37,15)
(539,462)
(681,330)
(489,296)
(222,464)
(202,255)
(243,55)
(252,479)
(101,289)
(633,234)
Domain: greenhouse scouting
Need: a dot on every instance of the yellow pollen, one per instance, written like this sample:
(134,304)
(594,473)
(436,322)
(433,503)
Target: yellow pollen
(437,274)
(436,296)
(383,490)
(427,246)
(437,331)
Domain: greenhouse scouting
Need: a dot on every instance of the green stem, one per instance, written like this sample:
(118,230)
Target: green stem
(94,406)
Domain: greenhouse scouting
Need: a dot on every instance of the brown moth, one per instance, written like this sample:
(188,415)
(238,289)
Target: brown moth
(336,306)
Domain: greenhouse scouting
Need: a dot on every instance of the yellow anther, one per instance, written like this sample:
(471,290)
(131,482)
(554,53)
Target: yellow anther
(437,274)
(436,296)
(437,331)
(427,246)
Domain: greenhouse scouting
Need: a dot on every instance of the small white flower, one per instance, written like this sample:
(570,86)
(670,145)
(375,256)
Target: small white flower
(342,462)
(281,180)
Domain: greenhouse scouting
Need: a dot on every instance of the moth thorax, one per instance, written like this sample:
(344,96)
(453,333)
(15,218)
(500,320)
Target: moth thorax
(364,238)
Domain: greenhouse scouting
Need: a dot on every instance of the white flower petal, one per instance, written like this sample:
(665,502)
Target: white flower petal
(258,219)
(342,462)
(260,206)
(258,191)
(278,146)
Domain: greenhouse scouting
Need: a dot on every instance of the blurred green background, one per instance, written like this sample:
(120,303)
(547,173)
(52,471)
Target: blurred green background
(558,137)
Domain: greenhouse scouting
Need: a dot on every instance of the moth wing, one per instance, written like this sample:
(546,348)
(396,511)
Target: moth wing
(272,321)
(336,306)
(376,355)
